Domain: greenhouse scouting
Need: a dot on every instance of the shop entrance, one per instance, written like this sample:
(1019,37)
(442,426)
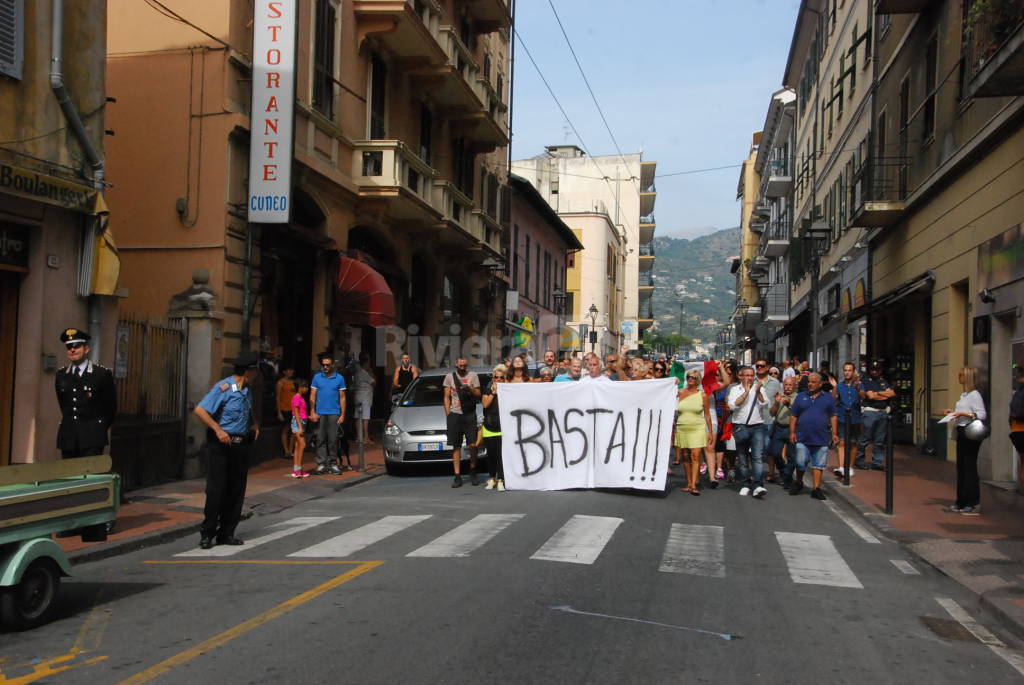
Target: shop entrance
(287,273)
(9,285)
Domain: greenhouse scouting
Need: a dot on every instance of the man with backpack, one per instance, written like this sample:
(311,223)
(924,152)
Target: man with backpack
(461,394)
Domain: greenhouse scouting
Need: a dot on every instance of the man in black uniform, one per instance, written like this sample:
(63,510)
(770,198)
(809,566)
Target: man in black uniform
(88,402)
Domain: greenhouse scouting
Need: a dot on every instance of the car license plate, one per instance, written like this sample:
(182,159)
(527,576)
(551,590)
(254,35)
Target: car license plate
(430,447)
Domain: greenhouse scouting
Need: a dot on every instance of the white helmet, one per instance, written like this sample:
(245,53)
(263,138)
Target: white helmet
(976,430)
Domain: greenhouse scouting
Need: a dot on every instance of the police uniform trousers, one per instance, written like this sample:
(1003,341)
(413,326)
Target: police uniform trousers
(227,470)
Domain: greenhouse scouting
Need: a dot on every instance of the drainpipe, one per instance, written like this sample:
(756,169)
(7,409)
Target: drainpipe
(91,154)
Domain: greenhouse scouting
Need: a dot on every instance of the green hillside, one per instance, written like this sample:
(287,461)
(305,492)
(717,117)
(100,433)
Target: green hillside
(695,270)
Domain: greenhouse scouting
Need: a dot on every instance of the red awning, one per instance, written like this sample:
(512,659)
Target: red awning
(363,295)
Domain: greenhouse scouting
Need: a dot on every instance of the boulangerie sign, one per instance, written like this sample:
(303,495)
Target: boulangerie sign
(273,109)
(587,434)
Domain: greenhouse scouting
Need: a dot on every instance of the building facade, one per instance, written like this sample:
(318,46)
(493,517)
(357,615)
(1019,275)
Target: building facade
(398,199)
(623,188)
(749,266)
(541,247)
(56,268)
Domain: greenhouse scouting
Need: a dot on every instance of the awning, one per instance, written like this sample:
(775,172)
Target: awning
(363,296)
(890,298)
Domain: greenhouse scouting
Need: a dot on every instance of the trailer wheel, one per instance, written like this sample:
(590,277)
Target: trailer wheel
(31,602)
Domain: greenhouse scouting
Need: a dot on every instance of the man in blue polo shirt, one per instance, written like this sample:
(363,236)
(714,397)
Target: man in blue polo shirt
(327,400)
(848,395)
(227,413)
(812,415)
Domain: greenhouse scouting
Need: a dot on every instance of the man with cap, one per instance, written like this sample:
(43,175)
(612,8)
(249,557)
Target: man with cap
(88,402)
(227,412)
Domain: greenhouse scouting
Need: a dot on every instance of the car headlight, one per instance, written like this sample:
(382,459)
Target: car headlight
(392,429)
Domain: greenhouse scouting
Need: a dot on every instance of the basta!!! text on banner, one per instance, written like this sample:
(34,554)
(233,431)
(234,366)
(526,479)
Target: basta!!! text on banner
(588,434)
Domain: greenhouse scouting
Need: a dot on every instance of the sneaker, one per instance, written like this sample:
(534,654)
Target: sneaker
(320,470)
(299,474)
(491,484)
(335,470)
(501,486)
(954,510)
(816,493)
(713,485)
(473,479)
(719,474)
(796,487)
(970,511)
(744,491)
(759,492)
(457,483)
(877,467)
(703,469)
(862,466)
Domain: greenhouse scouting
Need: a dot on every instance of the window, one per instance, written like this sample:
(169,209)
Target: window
(569,309)
(12,47)
(426,132)
(492,196)
(378,97)
(536,281)
(526,268)
(930,75)
(514,257)
(462,166)
(832,300)
(547,279)
(487,67)
(323,58)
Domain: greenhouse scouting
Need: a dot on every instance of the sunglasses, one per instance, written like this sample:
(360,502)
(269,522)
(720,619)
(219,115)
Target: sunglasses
(499,378)
(760,366)
(774,373)
(326,364)
(74,346)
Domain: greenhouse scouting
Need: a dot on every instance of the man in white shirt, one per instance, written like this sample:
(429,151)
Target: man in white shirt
(787,370)
(747,401)
(595,371)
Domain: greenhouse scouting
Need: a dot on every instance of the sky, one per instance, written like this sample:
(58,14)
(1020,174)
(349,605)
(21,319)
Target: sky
(686,81)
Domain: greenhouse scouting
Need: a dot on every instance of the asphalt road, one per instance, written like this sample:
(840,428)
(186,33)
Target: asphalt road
(405,580)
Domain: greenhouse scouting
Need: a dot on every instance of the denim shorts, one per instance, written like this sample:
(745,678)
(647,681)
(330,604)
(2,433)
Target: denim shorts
(296,428)
(818,457)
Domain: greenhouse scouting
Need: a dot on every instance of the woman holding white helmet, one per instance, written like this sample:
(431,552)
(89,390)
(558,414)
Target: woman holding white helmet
(969,409)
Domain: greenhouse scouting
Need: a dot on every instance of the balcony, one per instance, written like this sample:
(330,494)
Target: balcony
(647,170)
(746,317)
(901,6)
(775,303)
(490,15)
(762,211)
(646,255)
(388,171)
(646,285)
(407,33)
(645,315)
(647,198)
(994,49)
(779,178)
(879,189)
(756,227)
(775,239)
(647,227)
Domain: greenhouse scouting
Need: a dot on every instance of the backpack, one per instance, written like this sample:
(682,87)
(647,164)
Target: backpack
(1017,404)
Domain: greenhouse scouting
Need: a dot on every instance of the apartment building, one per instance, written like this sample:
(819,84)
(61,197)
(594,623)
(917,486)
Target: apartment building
(829,70)
(772,223)
(620,188)
(399,207)
(57,266)
(940,194)
(749,266)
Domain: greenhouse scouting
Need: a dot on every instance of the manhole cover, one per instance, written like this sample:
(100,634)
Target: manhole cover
(948,628)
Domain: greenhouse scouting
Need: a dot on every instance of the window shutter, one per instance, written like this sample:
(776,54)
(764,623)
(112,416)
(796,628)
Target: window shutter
(12,37)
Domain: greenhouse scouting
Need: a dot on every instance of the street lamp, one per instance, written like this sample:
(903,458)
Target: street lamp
(593,326)
(559,296)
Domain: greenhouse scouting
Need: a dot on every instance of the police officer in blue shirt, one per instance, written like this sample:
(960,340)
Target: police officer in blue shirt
(227,412)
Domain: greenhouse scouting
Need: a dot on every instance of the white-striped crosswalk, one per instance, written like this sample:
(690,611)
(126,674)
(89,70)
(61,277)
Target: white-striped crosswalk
(686,549)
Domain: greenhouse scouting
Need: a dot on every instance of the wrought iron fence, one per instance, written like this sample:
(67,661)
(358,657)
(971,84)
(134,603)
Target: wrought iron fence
(987,26)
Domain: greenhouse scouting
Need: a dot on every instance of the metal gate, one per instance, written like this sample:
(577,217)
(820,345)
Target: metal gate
(148,438)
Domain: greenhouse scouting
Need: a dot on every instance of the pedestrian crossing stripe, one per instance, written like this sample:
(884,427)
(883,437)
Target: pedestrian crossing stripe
(689,549)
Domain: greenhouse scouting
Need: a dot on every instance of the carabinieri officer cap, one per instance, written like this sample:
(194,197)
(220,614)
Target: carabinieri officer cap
(74,335)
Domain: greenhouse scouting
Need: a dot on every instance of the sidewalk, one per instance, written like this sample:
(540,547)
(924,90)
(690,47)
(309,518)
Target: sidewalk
(173,510)
(983,553)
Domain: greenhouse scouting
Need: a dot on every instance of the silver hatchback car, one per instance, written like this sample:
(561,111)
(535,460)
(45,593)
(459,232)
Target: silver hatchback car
(416,432)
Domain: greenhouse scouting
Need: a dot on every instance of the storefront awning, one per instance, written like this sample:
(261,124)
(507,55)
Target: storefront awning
(914,285)
(363,296)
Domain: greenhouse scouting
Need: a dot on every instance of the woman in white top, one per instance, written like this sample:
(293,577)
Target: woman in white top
(362,385)
(970,406)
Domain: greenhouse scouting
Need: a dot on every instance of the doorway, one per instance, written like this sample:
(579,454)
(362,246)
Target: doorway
(9,286)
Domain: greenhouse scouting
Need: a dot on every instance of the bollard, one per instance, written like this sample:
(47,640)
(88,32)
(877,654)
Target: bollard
(846,450)
(890,461)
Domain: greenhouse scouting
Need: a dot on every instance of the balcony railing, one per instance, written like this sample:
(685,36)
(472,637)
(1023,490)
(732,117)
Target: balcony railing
(775,303)
(879,189)
(993,48)
(647,250)
(391,164)
(646,279)
(646,310)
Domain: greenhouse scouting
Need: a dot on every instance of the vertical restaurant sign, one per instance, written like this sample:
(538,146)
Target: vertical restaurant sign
(273,105)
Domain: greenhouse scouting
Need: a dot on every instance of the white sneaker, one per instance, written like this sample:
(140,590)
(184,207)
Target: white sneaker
(501,486)
(744,491)
(759,492)
(491,484)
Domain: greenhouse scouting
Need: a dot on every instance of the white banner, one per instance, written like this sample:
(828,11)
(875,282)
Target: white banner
(587,434)
(273,108)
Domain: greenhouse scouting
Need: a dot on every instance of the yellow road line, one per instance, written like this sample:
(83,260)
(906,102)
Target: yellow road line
(254,622)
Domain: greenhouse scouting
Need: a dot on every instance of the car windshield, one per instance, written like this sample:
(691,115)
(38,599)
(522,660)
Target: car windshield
(427,391)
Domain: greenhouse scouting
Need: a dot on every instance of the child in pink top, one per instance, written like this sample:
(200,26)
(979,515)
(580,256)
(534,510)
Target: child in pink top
(299,415)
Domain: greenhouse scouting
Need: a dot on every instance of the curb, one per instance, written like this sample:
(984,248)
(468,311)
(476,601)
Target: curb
(105,550)
(1000,606)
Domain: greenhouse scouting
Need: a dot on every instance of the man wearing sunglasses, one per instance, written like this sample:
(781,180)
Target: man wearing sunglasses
(88,402)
